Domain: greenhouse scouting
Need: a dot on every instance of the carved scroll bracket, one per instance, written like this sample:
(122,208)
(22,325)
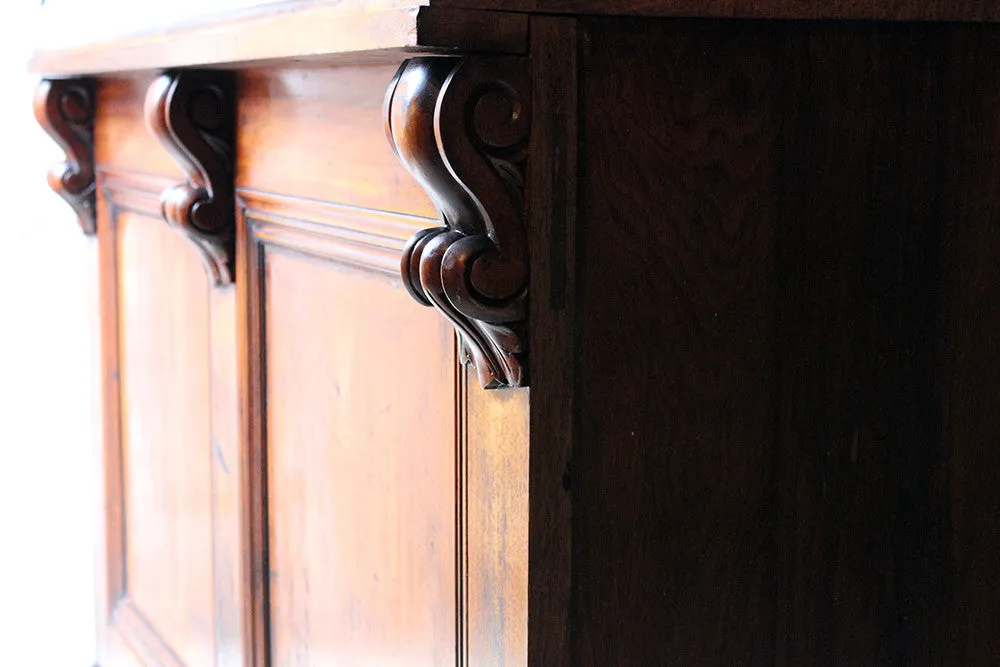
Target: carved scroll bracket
(460,126)
(65,110)
(191,112)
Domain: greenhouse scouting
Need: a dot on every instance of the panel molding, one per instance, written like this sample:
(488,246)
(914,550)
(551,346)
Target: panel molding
(138,193)
(371,241)
(65,110)
(137,632)
(133,191)
(461,127)
(363,238)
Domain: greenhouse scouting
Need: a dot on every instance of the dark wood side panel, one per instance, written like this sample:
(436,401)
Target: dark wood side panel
(965,478)
(859,427)
(890,10)
(785,395)
(674,380)
(551,192)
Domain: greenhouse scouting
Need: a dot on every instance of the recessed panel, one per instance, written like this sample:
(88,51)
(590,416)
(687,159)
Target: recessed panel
(166,440)
(360,445)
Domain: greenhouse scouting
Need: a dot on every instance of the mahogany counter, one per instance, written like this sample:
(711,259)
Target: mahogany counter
(727,269)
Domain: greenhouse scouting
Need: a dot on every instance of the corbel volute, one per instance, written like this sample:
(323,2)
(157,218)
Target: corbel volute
(460,126)
(65,110)
(191,113)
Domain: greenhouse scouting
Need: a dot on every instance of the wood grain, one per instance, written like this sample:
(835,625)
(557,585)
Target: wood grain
(552,199)
(166,435)
(892,10)
(178,513)
(360,491)
(963,482)
(496,520)
(858,274)
(317,134)
(795,467)
(674,399)
(321,31)
(121,140)
(110,579)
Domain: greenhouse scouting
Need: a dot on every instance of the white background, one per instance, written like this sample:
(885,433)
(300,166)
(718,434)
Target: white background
(47,501)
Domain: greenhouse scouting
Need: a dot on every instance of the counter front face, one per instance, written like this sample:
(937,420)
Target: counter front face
(298,469)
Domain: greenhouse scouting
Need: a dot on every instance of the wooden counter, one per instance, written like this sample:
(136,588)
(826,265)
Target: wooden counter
(725,387)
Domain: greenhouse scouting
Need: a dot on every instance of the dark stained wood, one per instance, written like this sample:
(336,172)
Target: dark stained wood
(891,10)
(65,110)
(797,467)
(460,126)
(192,114)
(859,425)
(472,30)
(552,198)
(963,485)
(674,384)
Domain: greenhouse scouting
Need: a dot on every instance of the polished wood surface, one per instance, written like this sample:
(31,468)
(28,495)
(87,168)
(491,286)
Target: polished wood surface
(163,311)
(316,133)
(671,453)
(360,472)
(254,36)
(121,139)
(783,474)
(762,406)
(460,126)
(552,213)
(65,109)
(172,510)
(893,10)
(192,113)
(494,481)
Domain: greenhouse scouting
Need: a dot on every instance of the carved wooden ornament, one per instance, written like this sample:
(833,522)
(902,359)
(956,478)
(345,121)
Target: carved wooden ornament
(460,126)
(65,110)
(191,112)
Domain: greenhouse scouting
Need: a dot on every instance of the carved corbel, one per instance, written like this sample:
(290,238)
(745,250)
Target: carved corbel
(191,112)
(460,126)
(65,110)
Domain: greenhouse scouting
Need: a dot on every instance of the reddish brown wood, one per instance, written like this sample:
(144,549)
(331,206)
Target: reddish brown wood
(886,10)
(65,109)
(460,127)
(552,220)
(473,30)
(192,113)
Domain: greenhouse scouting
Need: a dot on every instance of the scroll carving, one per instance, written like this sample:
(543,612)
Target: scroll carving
(460,126)
(191,112)
(65,110)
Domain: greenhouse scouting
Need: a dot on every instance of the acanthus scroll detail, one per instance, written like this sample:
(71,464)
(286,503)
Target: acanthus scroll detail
(65,110)
(461,127)
(191,113)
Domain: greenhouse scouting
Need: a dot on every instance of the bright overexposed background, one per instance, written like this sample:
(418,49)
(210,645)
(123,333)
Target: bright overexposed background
(49,382)
(47,385)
